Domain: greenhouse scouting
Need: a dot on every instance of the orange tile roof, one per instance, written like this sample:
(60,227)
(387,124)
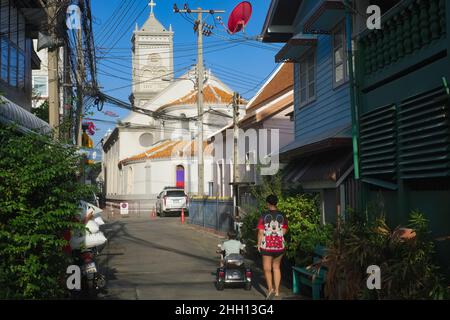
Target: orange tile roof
(253,117)
(143,155)
(280,84)
(171,149)
(211,94)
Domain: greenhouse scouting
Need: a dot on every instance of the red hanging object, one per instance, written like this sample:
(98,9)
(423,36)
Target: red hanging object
(239,17)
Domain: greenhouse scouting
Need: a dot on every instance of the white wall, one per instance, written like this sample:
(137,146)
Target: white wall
(131,145)
(163,174)
(286,127)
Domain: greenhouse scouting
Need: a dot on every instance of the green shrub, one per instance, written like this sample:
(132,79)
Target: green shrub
(305,228)
(39,196)
(407,266)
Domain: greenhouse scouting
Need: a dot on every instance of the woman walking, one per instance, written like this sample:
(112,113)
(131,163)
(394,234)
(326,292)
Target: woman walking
(272,227)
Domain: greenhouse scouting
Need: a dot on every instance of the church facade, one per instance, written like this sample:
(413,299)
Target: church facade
(151,150)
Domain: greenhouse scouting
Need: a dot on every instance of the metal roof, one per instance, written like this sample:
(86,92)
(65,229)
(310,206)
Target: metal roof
(11,113)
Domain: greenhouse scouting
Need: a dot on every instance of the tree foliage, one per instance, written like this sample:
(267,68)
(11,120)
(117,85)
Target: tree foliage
(39,196)
(42,111)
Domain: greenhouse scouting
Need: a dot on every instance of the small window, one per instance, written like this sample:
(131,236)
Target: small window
(40,86)
(146,140)
(249,161)
(211,188)
(340,63)
(184,124)
(307,79)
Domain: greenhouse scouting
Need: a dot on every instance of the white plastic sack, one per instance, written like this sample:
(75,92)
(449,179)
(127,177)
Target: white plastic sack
(92,226)
(99,221)
(86,207)
(88,241)
(94,240)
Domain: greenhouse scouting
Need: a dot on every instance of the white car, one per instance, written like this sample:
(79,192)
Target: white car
(171,200)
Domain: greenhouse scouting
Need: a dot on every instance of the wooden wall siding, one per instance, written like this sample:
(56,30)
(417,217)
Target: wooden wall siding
(404,32)
(408,55)
(331,108)
(402,66)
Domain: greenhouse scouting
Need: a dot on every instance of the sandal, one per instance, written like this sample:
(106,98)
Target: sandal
(270,295)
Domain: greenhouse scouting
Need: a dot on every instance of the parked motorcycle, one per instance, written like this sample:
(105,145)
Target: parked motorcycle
(92,281)
(85,247)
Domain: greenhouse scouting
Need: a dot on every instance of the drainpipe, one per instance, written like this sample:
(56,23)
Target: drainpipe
(355,127)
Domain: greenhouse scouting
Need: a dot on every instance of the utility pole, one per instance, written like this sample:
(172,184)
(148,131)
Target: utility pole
(80,86)
(198,28)
(236,101)
(53,79)
(200,80)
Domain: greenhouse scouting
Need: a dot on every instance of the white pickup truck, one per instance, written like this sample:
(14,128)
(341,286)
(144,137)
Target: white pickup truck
(171,200)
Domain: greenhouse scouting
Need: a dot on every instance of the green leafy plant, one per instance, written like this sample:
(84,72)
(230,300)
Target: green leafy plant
(39,195)
(42,111)
(305,228)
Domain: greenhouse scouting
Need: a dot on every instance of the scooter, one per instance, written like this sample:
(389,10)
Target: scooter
(85,248)
(233,271)
(92,281)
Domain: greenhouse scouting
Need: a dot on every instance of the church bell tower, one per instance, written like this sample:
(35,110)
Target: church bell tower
(152,59)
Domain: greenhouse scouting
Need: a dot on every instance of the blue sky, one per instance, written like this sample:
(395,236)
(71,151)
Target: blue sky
(242,65)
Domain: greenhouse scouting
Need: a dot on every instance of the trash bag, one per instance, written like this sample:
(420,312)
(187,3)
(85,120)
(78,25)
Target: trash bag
(92,226)
(88,240)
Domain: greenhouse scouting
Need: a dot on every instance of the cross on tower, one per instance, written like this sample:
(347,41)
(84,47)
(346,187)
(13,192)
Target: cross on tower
(152,4)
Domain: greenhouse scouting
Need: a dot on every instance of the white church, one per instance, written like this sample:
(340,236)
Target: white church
(156,148)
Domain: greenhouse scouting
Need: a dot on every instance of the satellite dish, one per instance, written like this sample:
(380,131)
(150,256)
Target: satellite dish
(239,17)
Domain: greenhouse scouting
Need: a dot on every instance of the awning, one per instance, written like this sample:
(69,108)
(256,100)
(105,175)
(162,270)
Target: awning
(279,23)
(296,47)
(325,16)
(326,167)
(11,113)
(326,140)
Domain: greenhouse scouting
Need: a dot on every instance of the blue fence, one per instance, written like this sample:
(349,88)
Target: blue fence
(212,213)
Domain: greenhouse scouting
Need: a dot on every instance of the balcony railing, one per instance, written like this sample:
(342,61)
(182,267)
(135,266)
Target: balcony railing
(406,29)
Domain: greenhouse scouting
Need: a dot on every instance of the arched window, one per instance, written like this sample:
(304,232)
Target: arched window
(180,176)
(130,180)
(185,125)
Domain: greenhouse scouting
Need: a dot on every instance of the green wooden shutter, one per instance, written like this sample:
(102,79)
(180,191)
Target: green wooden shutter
(378,143)
(424,136)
